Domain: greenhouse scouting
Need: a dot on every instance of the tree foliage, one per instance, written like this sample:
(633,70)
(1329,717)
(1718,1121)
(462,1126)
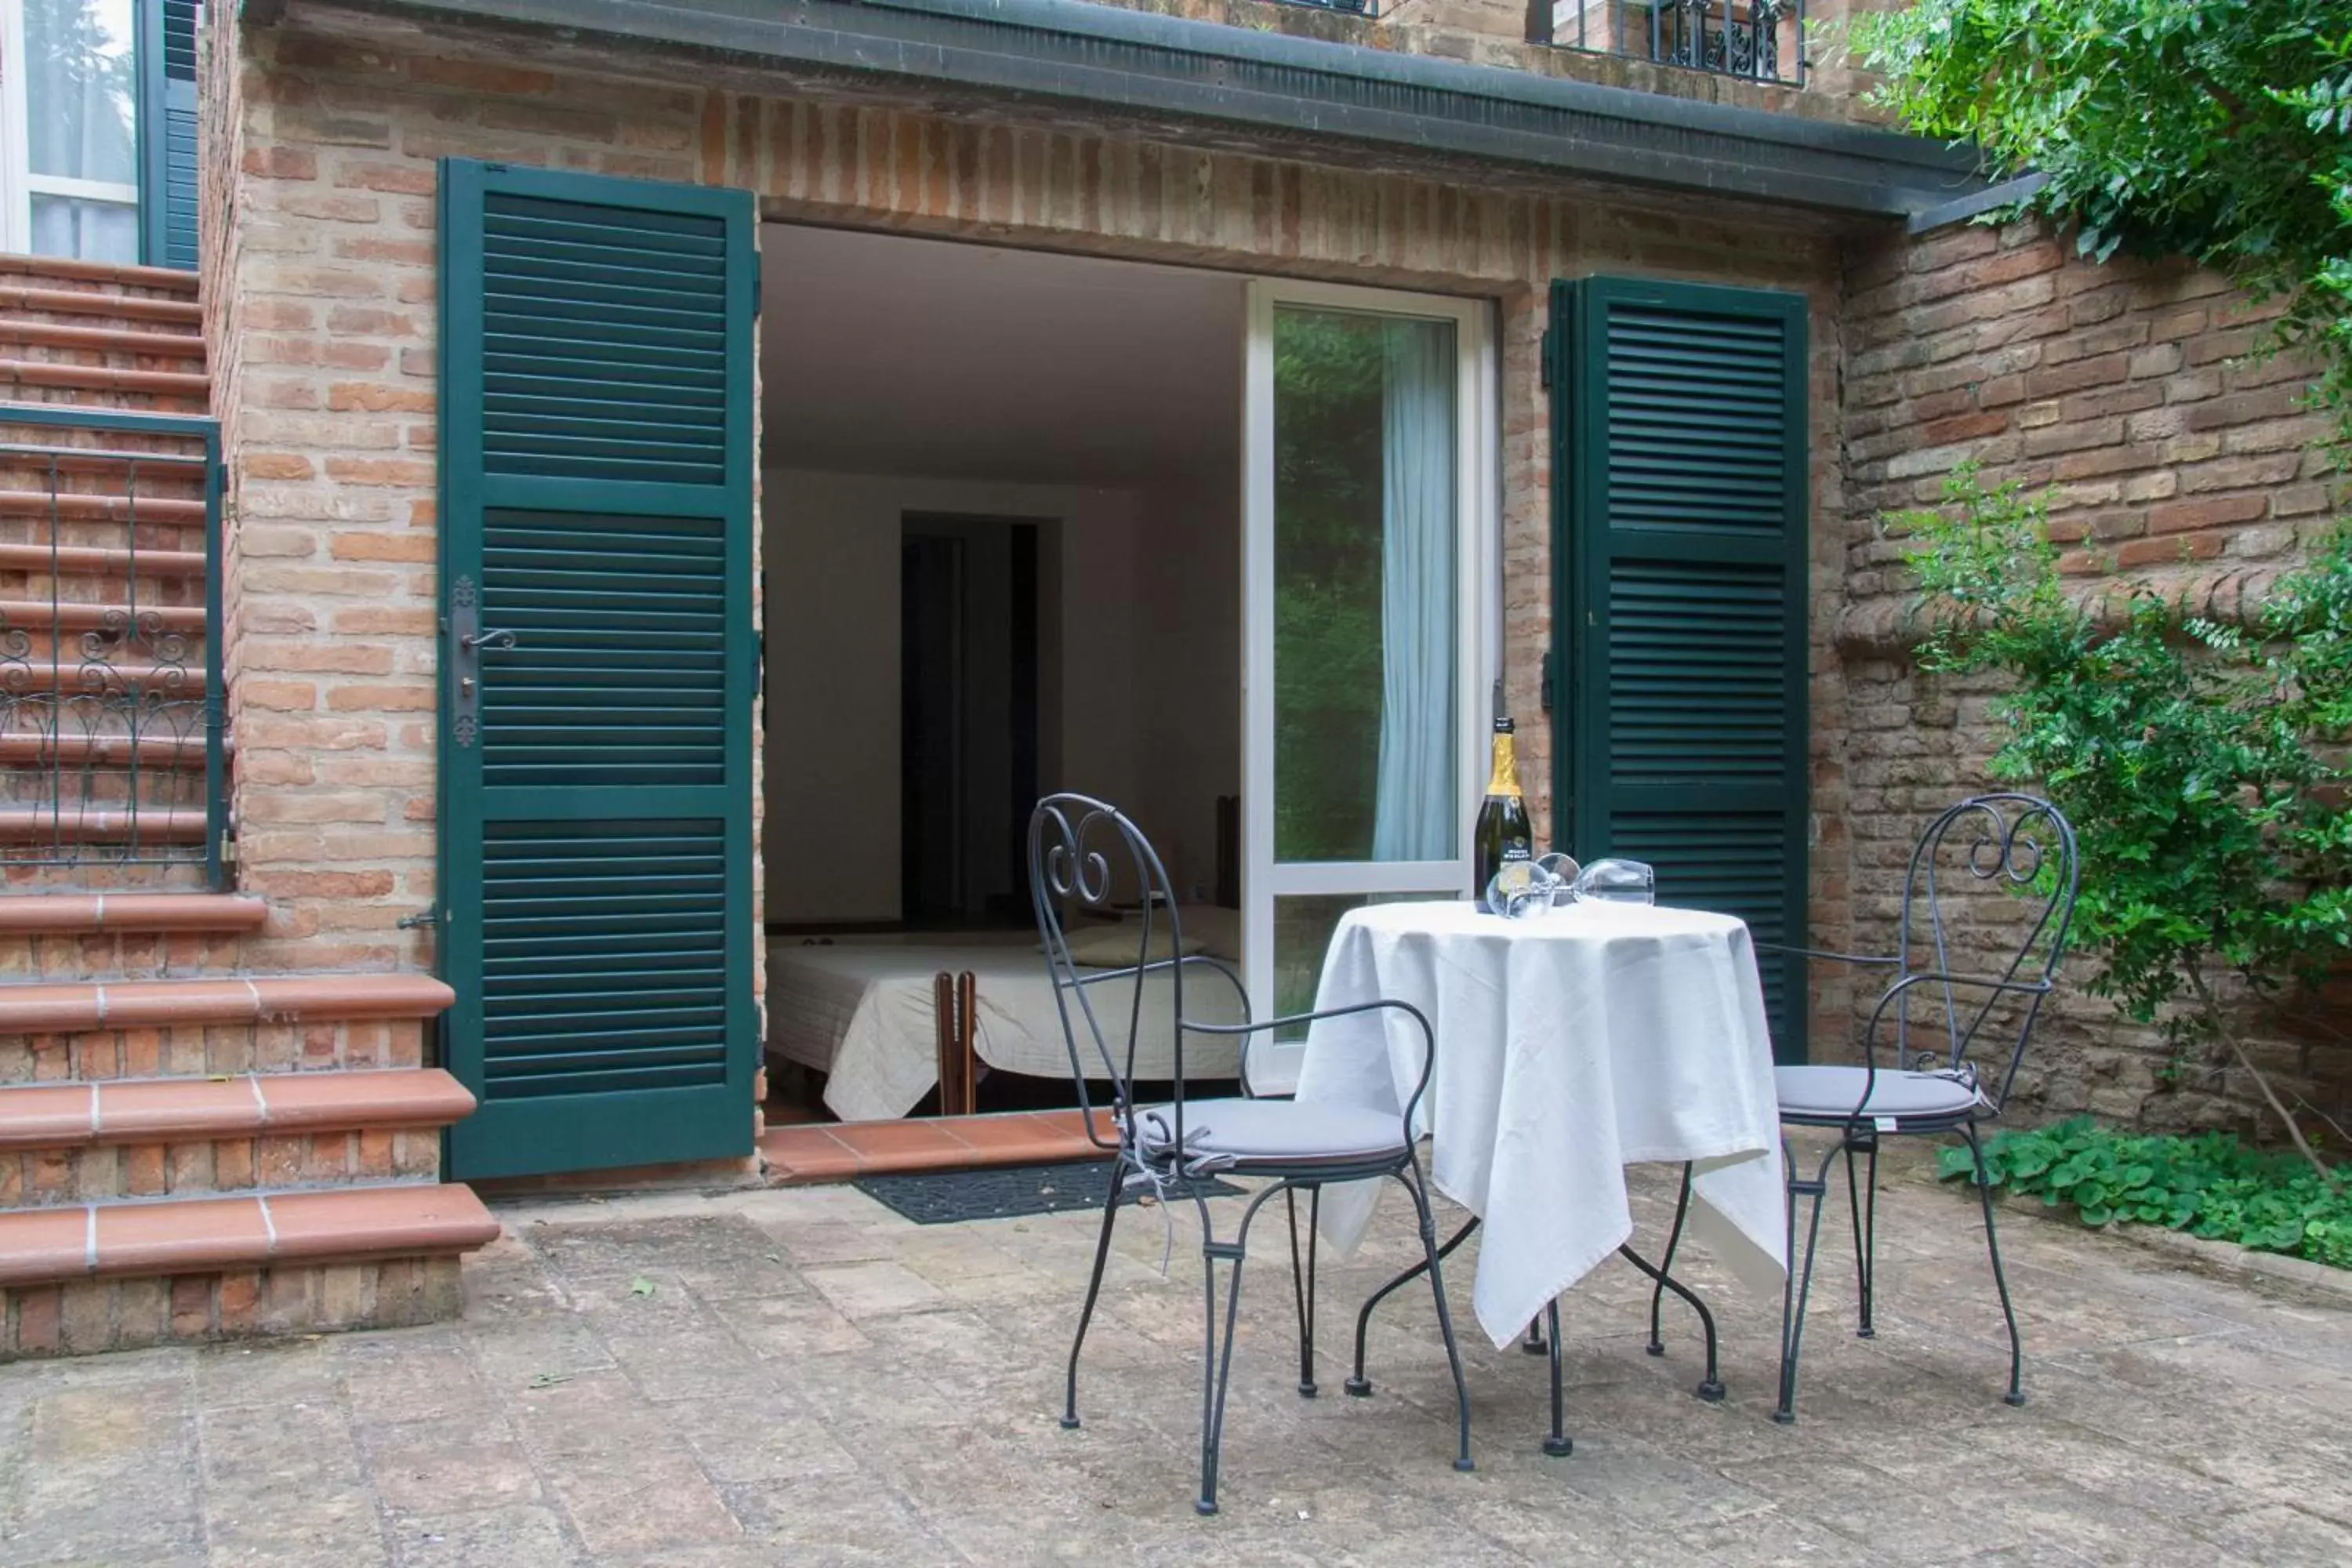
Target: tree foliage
(2202,765)
(2220,129)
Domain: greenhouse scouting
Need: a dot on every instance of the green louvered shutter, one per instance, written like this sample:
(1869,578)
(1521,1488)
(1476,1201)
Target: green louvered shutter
(597,342)
(164,45)
(1679,541)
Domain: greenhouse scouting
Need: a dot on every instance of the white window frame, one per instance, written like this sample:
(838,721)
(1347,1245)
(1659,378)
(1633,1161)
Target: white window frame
(1273,1065)
(19,184)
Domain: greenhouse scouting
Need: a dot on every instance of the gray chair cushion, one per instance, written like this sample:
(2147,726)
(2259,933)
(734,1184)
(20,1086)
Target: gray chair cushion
(1220,1133)
(1816,1092)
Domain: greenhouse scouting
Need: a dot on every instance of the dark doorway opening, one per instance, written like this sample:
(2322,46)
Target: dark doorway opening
(968,717)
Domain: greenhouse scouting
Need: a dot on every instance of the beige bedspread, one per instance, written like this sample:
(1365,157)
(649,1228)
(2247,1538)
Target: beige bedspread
(861,1011)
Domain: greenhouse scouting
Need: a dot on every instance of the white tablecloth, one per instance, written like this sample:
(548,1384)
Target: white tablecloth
(1568,1046)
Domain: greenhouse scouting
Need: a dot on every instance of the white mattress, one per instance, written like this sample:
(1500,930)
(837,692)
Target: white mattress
(861,1010)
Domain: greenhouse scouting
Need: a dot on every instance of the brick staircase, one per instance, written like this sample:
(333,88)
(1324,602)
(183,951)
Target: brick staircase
(188,1150)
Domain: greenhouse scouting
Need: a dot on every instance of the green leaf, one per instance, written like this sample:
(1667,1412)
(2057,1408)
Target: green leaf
(641,1286)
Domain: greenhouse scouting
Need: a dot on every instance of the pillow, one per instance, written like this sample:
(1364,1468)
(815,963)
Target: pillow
(1119,946)
(1219,928)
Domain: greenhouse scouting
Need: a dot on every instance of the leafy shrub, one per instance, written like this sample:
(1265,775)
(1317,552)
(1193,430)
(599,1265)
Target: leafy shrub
(2210,1185)
(2202,765)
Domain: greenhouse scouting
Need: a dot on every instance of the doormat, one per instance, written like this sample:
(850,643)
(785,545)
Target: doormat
(948,1198)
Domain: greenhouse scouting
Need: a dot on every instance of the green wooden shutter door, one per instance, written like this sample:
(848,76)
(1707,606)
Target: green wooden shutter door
(1679,541)
(597,342)
(165,47)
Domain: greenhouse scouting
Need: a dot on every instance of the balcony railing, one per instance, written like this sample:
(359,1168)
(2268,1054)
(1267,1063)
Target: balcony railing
(112,745)
(1760,40)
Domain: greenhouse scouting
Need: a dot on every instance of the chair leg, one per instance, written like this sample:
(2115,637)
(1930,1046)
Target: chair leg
(1866,1231)
(1217,1363)
(1302,1282)
(1430,1250)
(1358,1387)
(1094,1289)
(1666,1264)
(2016,1395)
(1799,1284)
(1534,1343)
(1560,1446)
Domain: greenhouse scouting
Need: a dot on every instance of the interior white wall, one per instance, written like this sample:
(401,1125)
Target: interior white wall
(832,603)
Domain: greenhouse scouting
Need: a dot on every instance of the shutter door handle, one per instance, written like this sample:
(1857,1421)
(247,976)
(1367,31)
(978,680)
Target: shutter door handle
(473,642)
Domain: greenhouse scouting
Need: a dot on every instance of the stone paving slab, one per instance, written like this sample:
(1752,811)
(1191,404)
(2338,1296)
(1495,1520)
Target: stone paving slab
(800,1376)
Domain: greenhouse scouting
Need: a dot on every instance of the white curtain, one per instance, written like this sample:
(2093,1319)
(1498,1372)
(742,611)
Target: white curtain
(78,89)
(78,92)
(1414,818)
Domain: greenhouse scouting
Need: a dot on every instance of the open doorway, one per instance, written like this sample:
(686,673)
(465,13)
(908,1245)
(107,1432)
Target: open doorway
(1002,501)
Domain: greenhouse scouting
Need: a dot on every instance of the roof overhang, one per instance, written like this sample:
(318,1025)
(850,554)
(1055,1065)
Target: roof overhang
(1070,52)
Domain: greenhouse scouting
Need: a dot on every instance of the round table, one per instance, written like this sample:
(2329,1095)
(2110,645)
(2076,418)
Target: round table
(1568,1045)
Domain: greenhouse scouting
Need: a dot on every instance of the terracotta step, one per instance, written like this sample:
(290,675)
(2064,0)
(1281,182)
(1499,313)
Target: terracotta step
(68,615)
(48,823)
(73,913)
(78,339)
(15,374)
(138,1138)
(210,1268)
(208,1235)
(156,1003)
(59,271)
(112,751)
(79,561)
(149,312)
(145,1110)
(75,506)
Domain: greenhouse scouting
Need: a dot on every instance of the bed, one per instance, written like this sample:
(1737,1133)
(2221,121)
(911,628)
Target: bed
(871,1012)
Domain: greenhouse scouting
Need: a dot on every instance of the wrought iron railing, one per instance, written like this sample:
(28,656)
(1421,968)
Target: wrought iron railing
(112,714)
(1761,40)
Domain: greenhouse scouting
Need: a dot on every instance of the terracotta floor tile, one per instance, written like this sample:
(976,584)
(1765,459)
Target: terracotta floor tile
(808,1153)
(902,1145)
(1021,1139)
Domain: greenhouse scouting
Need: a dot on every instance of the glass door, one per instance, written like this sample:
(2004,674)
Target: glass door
(1368,487)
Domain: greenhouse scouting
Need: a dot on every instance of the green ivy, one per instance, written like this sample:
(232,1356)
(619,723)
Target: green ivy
(2208,1185)
(2202,765)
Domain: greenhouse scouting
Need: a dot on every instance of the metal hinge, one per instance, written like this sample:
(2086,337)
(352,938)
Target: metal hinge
(431,917)
(1549,333)
(758,290)
(1550,672)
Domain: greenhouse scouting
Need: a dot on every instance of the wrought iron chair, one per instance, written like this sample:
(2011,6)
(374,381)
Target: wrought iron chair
(1966,992)
(1076,845)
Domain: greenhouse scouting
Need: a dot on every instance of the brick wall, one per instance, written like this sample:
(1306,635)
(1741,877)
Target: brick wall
(1494,33)
(2172,462)
(330,258)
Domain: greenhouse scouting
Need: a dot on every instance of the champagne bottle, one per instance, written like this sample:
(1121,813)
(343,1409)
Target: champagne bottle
(1502,834)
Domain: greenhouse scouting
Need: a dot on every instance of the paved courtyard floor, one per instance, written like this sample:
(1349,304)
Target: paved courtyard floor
(800,1376)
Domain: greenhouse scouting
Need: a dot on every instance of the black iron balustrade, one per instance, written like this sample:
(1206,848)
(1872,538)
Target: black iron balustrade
(111,711)
(1760,40)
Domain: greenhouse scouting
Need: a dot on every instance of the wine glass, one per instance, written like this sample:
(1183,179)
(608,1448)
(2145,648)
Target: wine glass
(1615,882)
(1519,889)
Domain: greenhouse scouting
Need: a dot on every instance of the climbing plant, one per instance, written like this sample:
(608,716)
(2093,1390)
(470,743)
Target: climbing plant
(2202,765)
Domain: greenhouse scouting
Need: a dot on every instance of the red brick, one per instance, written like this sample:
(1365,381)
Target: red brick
(281,162)
(2183,516)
